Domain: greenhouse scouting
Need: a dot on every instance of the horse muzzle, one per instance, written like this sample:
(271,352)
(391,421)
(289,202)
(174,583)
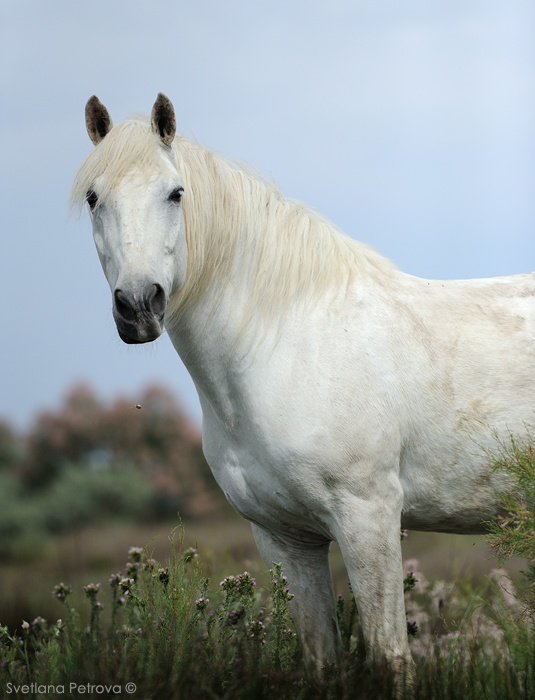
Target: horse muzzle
(139,313)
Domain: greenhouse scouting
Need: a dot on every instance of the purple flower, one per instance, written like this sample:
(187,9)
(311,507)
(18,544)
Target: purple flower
(114,580)
(61,591)
(92,590)
(190,554)
(135,553)
(412,628)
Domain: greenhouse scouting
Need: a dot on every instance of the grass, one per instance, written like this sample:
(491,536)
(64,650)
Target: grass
(177,634)
(91,553)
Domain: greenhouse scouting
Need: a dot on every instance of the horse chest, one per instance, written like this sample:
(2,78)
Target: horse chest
(263,487)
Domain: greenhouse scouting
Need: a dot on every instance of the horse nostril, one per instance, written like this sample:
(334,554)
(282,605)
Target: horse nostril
(157,301)
(123,306)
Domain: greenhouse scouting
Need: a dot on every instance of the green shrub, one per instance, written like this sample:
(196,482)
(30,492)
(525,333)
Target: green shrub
(512,534)
(17,514)
(77,497)
(81,496)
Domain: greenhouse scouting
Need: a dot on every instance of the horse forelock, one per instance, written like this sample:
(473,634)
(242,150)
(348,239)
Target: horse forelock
(130,145)
(232,213)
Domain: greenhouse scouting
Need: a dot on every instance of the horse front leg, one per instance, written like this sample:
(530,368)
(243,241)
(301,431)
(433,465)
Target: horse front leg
(368,532)
(313,607)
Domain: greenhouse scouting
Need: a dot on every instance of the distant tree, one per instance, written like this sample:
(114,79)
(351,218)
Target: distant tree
(60,438)
(11,448)
(157,439)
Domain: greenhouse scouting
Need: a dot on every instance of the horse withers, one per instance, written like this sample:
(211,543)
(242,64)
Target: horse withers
(342,399)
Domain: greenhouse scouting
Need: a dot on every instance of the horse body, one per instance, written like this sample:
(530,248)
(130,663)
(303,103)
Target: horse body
(339,414)
(423,375)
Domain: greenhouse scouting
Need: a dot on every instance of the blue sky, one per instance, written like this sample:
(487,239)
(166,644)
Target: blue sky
(411,125)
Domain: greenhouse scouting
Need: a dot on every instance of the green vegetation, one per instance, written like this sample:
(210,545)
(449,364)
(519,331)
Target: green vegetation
(74,499)
(513,534)
(174,634)
(87,462)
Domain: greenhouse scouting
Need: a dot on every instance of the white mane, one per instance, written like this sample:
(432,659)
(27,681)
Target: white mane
(232,215)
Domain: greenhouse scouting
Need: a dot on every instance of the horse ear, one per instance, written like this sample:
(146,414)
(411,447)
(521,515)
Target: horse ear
(97,119)
(163,119)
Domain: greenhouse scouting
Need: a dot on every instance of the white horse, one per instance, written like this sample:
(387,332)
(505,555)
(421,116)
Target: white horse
(342,399)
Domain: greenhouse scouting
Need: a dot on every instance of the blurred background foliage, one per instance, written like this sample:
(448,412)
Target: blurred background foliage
(89,461)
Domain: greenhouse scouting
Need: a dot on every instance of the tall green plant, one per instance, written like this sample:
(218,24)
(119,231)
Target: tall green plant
(512,534)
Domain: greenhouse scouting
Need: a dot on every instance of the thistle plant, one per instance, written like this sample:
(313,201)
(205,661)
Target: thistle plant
(236,611)
(409,582)
(91,591)
(285,638)
(62,592)
(190,554)
(116,599)
(163,575)
(135,554)
(17,648)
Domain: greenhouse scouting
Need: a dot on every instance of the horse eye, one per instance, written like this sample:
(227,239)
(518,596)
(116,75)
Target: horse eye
(176,195)
(91,198)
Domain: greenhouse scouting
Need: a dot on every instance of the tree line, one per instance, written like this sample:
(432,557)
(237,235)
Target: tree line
(91,459)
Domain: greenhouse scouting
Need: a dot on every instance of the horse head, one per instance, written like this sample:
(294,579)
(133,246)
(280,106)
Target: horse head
(134,192)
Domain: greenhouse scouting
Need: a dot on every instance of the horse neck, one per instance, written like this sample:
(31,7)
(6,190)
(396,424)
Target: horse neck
(232,235)
(252,256)
(214,343)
